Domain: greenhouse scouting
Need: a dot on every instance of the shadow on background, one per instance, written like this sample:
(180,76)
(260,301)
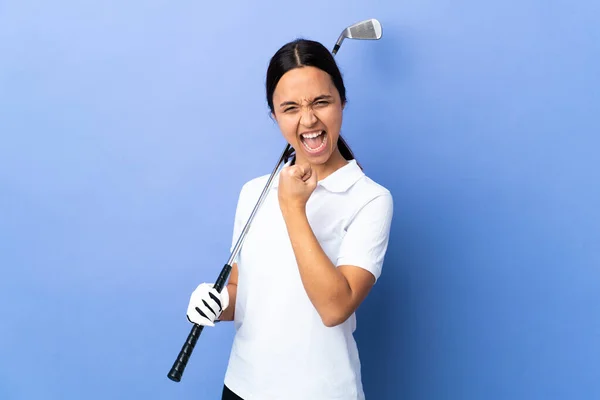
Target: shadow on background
(386,333)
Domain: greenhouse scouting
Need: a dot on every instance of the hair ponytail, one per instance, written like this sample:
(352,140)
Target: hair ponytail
(345,149)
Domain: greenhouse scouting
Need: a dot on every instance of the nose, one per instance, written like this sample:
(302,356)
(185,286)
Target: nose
(308,117)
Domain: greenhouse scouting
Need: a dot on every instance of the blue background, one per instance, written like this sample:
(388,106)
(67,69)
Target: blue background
(128,128)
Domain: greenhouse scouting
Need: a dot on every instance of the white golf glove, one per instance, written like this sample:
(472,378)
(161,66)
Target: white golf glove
(207,305)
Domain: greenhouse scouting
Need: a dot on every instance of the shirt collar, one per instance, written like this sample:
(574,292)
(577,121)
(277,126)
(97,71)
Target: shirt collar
(339,181)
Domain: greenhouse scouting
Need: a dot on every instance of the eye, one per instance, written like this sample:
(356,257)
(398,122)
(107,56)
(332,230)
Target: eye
(289,109)
(322,102)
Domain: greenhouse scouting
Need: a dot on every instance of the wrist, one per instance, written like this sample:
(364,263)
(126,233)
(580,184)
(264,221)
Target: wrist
(293,210)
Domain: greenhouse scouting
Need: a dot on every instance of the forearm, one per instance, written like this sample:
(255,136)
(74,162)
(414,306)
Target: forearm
(325,285)
(229,312)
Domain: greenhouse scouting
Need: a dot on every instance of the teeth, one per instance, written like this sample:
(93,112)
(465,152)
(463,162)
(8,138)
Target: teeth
(311,135)
(318,148)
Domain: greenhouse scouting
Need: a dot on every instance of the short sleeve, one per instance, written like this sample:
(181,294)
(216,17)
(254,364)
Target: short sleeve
(366,240)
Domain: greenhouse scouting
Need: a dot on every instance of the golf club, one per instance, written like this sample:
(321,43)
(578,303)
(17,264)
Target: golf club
(365,30)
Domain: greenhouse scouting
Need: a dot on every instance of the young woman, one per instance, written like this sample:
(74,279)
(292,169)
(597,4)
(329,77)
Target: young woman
(315,248)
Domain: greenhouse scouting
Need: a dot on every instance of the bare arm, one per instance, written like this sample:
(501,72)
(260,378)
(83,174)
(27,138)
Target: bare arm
(335,292)
(231,287)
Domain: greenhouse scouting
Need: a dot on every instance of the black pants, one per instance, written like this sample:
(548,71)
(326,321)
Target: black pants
(229,395)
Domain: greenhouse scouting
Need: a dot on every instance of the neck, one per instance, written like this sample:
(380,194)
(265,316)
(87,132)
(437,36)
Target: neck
(335,162)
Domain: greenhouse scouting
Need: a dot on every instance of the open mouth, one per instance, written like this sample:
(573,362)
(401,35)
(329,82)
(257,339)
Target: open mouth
(315,141)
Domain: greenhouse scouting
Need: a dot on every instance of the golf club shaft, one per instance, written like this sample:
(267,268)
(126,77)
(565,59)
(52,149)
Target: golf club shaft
(261,199)
(180,363)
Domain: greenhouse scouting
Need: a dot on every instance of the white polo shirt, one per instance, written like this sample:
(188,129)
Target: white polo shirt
(282,350)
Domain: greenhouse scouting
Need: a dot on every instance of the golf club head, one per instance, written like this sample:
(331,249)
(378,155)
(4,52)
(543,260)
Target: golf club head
(369,29)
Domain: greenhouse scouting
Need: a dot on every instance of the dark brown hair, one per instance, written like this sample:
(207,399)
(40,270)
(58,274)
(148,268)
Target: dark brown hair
(300,53)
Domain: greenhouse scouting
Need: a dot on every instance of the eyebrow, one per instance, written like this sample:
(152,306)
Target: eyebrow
(322,97)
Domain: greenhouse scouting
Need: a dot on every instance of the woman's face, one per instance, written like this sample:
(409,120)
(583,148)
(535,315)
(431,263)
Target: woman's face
(308,110)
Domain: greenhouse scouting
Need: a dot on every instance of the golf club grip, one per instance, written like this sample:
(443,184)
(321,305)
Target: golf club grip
(185,353)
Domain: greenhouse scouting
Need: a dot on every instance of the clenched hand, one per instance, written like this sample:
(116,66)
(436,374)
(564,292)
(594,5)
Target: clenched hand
(296,184)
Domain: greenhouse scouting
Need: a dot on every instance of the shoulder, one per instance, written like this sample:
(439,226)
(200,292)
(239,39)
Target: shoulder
(366,183)
(366,190)
(254,185)
(367,202)
(251,190)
